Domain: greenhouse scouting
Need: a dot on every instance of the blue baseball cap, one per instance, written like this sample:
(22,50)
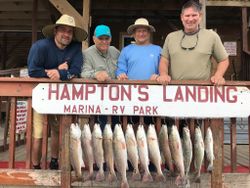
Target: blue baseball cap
(102,30)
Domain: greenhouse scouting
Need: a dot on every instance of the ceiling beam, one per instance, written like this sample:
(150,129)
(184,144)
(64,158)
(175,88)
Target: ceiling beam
(19,6)
(229,3)
(64,7)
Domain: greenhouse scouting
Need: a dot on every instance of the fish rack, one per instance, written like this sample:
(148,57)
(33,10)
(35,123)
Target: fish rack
(16,88)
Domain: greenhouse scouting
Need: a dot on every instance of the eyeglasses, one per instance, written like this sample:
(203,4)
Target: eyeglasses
(190,48)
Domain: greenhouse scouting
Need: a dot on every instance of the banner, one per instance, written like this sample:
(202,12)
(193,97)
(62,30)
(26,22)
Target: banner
(143,100)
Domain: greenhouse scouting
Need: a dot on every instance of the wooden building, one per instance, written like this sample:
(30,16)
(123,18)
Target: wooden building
(21,22)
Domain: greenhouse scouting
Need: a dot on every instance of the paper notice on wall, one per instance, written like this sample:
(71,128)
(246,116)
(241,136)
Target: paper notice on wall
(21,116)
(231,48)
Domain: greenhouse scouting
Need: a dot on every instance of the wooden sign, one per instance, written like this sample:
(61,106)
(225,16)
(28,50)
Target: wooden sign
(142,100)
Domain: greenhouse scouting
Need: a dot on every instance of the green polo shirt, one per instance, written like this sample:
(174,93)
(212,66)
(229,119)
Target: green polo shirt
(95,61)
(190,55)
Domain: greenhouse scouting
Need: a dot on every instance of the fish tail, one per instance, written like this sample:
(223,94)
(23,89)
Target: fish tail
(124,185)
(136,176)
(112,177)
(210,168)
(100,176)
(147,177)
(160,178)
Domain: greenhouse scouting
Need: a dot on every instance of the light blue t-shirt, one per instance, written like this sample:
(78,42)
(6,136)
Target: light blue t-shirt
(139,62)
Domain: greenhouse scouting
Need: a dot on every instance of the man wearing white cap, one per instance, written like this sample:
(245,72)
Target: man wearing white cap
(139,61)
(58,57)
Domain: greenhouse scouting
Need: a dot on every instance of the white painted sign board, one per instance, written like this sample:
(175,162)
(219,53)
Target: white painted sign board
(144,100)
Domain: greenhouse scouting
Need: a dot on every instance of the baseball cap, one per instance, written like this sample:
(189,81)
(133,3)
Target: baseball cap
(102,30)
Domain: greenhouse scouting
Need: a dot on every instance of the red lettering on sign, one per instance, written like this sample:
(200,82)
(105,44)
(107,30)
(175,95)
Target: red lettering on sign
(179,95)
(202,93)
(65,93)
(90,88)
(234,97)
(144,94)
(55,91)
(77,94)
(165,95)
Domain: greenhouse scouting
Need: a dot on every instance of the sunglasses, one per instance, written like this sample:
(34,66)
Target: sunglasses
(190,48)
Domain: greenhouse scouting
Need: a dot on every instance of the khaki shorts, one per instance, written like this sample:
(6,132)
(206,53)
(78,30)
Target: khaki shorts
(53,122)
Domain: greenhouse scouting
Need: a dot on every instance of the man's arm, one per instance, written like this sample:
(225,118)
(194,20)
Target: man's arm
(164,78)
(121,72)
(36,63)
(74,66)
(217,78)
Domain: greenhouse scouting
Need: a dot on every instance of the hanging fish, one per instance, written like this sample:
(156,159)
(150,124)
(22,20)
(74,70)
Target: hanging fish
(198,152)
(87,146)
(164,148)
(143,153)
(154,151)
(209,148)
(177,154)
(76,159)
(187,151)
(132,149)
(108,151)
(97,140)
(120,154)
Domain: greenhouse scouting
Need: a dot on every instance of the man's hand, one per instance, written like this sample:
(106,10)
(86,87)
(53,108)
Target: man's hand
(122,76)
(218,80)
(63,66)
(53,74)
(102,76)
(163,79)
(154,77)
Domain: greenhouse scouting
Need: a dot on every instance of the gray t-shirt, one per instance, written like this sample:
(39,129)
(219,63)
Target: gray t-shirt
(95,61)
(189,56)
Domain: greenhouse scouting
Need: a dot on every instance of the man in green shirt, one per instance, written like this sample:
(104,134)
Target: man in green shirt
(100,59)
(100,62)
(187,53)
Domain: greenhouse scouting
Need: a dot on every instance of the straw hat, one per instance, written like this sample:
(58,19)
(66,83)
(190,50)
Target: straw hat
(140,22)
(78,35)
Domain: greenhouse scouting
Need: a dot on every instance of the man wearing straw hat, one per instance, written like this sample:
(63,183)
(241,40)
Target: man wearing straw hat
(57,57)
(139,61)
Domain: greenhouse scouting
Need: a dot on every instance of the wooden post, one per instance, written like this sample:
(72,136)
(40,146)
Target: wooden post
(217,130)
(12,145)
(203,21)
(245,31)
(29,135)
(124,123)
(233,144)
(45,142)
(34,21)
(86,20)
(206,125)
(158,125)
(249,140)
(65,122)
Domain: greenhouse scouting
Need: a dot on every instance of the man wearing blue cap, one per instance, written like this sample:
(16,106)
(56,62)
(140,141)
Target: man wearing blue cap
(100,59)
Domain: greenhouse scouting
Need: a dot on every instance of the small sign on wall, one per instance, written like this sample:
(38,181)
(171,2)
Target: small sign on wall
(21,116)
(231,48)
